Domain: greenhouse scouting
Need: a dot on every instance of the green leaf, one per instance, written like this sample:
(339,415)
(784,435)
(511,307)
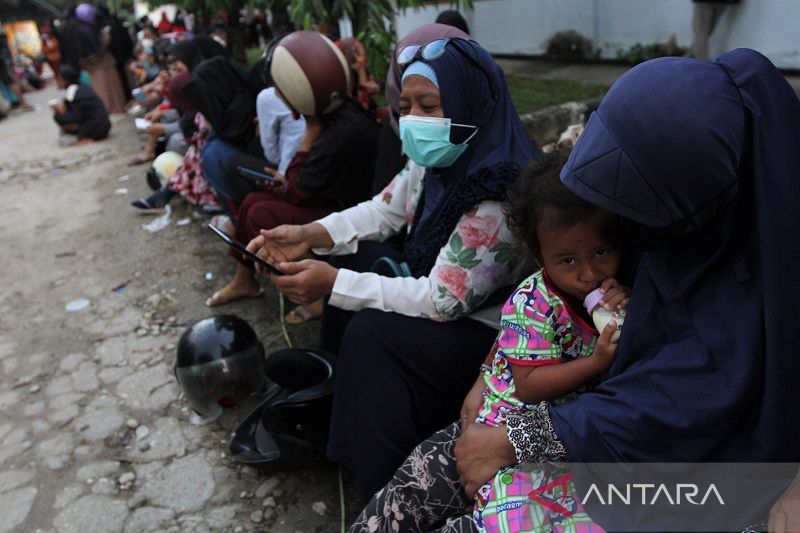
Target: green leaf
(472,299)
(467,254)
(504,252)
(456,244)
(469,264)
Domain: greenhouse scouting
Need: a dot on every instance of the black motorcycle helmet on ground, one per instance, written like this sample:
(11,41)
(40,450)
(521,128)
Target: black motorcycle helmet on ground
(219,363)
(289,426)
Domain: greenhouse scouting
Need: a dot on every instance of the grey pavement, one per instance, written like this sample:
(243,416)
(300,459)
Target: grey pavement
(95,435)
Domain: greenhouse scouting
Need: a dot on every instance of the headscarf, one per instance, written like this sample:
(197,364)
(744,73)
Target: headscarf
(348,48)
(86,13)
(453,18)
(196,50)
(219,89)
(708,365)
(88,37)
(422,35)
(176,94)
(473,92)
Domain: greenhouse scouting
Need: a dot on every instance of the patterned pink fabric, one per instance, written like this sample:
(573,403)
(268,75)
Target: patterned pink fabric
(188,180)
(538,329)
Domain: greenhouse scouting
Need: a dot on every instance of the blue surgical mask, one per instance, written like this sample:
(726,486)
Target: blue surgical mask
(426,140)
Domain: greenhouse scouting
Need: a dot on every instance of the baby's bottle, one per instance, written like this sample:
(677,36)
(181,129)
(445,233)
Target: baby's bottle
(601,315)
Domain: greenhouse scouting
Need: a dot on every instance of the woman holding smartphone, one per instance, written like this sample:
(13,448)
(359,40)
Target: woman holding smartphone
(407,338)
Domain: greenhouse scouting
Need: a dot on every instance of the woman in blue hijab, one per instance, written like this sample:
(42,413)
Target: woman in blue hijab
(701,161)
(406,340)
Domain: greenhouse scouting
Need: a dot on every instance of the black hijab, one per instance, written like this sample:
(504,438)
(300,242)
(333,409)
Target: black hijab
(708,365)
(194,51)
(220,90)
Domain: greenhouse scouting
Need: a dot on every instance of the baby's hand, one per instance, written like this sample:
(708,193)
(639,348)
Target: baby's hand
(604,351)
(614,294)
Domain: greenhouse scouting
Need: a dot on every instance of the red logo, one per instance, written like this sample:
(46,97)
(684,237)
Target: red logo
(537,495)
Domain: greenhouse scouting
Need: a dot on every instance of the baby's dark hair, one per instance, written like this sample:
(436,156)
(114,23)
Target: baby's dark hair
(69,73)
(538,193)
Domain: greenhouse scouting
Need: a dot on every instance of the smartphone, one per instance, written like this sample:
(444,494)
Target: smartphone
(239,247)
(254,174)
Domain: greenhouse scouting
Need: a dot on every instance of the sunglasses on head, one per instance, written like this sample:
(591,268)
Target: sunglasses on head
(428,52)
(433,50)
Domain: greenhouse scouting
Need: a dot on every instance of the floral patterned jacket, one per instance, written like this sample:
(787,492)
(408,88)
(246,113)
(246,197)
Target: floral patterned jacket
(480,256)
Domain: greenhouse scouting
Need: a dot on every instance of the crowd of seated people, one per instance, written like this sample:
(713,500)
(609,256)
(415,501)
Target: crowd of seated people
(445,184)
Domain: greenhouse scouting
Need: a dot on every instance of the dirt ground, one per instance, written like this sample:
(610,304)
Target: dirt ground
(93,433)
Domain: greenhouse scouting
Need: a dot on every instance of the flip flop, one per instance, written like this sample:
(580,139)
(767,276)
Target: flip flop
(220,294)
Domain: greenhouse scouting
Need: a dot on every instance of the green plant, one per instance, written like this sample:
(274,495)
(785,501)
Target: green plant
(639,53)
(569,45)
(374,22)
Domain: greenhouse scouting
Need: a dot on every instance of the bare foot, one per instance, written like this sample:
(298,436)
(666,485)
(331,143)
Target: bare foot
(224,223)
(304,313)
(230,293)
(140,158)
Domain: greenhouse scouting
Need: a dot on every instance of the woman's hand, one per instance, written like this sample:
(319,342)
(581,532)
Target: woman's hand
(277,183)
(480,452)
(614,294)
(282,244)
(360,57)
(305,281)
(784,517)
(472,403)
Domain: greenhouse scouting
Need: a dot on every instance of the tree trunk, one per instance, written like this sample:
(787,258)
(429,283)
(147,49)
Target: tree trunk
(236,32)
(280,18)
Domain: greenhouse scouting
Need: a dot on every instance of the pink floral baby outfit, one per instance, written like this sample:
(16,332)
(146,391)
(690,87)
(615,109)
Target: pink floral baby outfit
(538,328)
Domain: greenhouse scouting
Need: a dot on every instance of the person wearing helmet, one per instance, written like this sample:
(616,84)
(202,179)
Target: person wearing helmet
(334,164)
(279,136)
(407,338)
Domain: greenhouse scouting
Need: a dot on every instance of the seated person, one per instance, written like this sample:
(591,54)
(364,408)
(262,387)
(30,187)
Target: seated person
(279,133)
(81,114)
(401,331)
(165,121)
(548,348)
(332,169)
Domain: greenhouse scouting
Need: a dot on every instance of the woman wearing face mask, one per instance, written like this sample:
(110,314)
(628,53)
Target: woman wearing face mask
(406,338)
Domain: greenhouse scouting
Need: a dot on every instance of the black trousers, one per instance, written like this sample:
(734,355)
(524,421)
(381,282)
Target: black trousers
(398,379)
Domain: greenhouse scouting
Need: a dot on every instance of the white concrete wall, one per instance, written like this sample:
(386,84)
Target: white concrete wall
(523,26)
(141,7)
